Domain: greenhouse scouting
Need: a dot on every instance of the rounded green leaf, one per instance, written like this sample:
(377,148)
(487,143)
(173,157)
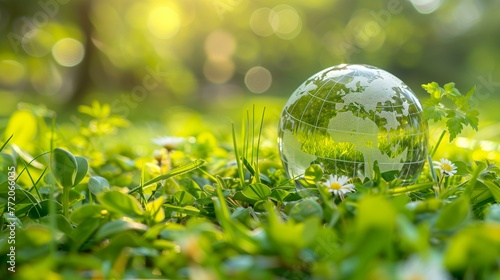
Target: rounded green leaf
(98,184)
(313,173)
(256,191)
(155,211)
(118,226)
(453,215)
(305,209)
(86,212)
(81,169)
(121,203)
(64,166)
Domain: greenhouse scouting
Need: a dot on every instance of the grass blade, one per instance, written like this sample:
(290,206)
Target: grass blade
(174,172)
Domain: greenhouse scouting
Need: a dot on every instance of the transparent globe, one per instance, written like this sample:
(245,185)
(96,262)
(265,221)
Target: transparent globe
(348,117)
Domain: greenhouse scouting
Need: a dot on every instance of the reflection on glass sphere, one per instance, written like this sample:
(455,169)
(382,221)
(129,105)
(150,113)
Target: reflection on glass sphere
(348,117)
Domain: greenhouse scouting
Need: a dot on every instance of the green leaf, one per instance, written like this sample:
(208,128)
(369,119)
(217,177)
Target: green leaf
(22,196)
(390,175)
(184,198)
(64,166)
(82,166)
(462,168)
(279,195)
(433,89)
(298,235)
(41,209)
(62,224)
(73,197)
(84,231)
(98,184)
(433,110)
(473,247)
(313,174)
(154,210)
(119,226)
(188,210)
(6,166)
(454,123)
(174,172)
(453,215)
(367,219)
(472,119)
(121,203)
(256,191)
(306,208)
(241,214)
(494,189)
(86,212)
(191,187)
(451,91)
(464,102)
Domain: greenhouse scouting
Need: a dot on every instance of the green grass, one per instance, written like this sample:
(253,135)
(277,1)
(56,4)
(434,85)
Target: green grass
(223,208)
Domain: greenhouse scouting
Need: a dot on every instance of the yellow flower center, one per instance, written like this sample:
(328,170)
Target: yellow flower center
(335,186)
(446,167)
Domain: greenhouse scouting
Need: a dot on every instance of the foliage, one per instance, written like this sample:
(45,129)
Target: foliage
(199,212)
(464,113)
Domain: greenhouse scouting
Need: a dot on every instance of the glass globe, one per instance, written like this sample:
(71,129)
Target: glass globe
(346,118)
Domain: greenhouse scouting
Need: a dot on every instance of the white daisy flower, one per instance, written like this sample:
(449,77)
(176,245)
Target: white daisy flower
(168,142)
(446,167)
(338,185)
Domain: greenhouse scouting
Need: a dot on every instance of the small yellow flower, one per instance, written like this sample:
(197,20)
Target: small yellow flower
(446,167)
(338,185)
(168,142)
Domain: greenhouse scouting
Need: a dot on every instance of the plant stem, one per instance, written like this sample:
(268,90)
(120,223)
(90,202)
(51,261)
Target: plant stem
(66,202)
(241,173)
(438,143)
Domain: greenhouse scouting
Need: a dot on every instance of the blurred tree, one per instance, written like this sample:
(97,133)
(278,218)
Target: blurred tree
(216,51)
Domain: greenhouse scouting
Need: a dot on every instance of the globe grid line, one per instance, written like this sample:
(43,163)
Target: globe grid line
(328,129)
(363,162)
(356,112)
(331,102)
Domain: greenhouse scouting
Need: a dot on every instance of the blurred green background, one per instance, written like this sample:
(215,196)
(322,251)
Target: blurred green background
(214,56)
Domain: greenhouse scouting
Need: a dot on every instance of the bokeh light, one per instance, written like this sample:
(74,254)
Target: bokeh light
(258,79)
(220,45)
(207,45)
(163,22)
(37,43)
(68,52)
(12,72)
(282,20)
(218,71)
(426,6)
(260,22)
(285,22)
